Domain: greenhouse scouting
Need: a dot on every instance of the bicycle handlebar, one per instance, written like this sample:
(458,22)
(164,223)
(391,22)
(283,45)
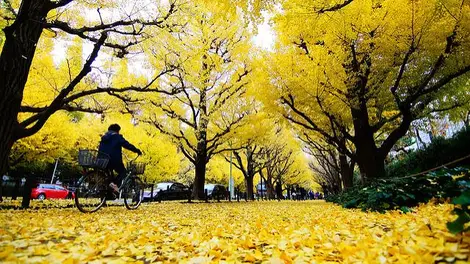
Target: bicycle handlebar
(129,159)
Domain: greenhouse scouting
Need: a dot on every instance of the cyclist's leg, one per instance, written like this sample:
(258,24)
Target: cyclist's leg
(111,179)
(121,171)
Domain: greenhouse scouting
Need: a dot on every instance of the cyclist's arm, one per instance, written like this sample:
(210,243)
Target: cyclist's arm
(125,144)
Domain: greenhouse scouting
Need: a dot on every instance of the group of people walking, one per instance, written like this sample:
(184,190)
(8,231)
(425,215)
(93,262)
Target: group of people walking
(300,193)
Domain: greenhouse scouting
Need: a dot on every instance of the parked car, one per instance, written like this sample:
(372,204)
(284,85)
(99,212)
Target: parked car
(51,191)
(156,188)
(168,191)
(215,191)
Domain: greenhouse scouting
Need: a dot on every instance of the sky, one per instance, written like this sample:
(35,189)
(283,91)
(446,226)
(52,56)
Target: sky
(265,38)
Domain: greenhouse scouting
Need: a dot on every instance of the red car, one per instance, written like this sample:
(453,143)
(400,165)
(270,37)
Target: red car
(51,191)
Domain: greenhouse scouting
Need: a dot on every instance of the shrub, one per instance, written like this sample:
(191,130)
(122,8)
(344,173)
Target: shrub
(403,193)
(439,152)
(462,211)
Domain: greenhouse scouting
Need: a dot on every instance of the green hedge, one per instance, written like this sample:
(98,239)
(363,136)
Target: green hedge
(439,152)
(463,213)
(403,193)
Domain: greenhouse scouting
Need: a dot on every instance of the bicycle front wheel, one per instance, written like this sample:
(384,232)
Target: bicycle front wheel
(133,193)
(90,194)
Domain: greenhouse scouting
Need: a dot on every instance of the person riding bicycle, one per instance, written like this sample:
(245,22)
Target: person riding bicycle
(112,143)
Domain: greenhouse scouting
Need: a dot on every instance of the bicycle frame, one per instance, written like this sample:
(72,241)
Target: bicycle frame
(131,188)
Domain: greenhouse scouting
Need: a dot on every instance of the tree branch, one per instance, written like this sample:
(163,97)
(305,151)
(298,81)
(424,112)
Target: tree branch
(69,108)
(334,7)
(58,102)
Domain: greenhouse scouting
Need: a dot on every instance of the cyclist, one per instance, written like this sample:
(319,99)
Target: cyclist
(112,143)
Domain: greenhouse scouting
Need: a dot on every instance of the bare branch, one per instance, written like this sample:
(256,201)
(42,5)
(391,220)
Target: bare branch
(229,92)
(421,88)
(310,125)
(70,108)
(402,70)
(172,114)
(41,118)
(334,7)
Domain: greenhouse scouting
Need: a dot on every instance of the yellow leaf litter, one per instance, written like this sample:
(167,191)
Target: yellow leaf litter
(250,232)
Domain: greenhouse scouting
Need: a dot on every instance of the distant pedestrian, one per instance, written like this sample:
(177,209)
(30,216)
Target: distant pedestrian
(310,195)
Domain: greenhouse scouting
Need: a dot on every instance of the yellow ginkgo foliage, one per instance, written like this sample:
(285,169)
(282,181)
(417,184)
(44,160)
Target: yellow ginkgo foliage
(359,76)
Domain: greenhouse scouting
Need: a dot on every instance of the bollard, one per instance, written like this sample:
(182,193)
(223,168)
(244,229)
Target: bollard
(206,197)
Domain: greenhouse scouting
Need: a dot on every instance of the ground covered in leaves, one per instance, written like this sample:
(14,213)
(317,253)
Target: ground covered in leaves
(257,232)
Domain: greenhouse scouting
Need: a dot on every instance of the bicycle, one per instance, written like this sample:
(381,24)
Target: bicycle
(93,190)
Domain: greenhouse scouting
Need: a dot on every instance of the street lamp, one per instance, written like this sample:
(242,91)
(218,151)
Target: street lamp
(230,181)
(55,168)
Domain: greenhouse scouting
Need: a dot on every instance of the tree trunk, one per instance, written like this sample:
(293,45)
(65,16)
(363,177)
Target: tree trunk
(200,179)
(370,162)
(21,39)
(1,188)
(269,188)
(249,187)
(201,158)
(346,171)
(371,166)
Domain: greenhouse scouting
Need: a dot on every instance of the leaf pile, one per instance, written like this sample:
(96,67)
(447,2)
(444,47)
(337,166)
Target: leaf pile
(254,232)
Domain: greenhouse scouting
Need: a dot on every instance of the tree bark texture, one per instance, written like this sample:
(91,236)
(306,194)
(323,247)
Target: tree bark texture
(21,39)
(347,171)
(249,188)
(200,178)
(201,159)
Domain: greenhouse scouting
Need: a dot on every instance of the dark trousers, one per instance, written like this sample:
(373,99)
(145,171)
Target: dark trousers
(121,173)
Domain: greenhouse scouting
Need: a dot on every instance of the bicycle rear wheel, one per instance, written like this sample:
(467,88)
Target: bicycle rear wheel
(90,194)
(133,193)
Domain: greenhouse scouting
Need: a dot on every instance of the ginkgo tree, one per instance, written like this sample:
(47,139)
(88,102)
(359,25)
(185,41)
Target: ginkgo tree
(368,69)
(29,25)
(211,54)
(285,163)
(252,142)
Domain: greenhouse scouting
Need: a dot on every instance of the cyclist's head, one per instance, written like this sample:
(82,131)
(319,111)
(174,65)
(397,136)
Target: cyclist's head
(114,127)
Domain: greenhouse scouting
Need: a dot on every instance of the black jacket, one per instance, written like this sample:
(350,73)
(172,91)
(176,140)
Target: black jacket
(112,144)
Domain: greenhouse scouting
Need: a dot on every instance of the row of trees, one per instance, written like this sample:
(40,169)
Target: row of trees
(353,81)
(192,85)
(347,79)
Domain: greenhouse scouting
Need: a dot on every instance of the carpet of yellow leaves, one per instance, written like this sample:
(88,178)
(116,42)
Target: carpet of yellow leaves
(256,232)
